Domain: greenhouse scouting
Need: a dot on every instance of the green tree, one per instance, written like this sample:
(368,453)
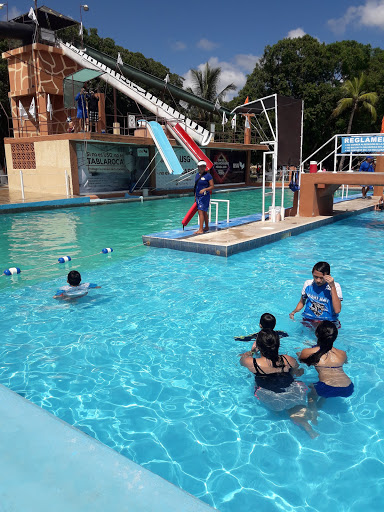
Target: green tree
(315,72)
(205,84)
(299,68)
(355,98)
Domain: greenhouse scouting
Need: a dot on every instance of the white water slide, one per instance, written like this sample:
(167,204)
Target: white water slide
(138,94)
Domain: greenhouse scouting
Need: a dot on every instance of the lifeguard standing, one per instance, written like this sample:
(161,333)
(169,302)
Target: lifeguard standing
(203,186)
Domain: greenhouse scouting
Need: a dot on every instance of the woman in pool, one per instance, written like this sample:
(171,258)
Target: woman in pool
(321,297)
(328,362)
(275,386)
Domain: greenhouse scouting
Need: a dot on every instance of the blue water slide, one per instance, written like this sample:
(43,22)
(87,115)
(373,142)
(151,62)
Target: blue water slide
(163,145)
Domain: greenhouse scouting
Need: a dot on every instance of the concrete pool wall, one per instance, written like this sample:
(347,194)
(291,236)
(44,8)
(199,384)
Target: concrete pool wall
(46,465)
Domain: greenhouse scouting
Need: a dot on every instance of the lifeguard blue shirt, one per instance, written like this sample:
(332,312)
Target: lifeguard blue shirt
(318,301)
(366,167)
(202,183)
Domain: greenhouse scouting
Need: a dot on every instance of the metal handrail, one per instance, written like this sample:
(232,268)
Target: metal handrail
(338,154)
(216,203)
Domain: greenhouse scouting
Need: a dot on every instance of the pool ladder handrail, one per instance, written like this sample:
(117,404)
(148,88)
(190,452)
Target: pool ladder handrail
(216,203)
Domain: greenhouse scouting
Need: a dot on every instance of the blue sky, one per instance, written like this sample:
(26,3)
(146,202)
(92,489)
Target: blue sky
(232,35)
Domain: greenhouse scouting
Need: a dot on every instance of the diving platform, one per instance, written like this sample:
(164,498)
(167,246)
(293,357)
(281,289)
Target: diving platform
(246,233)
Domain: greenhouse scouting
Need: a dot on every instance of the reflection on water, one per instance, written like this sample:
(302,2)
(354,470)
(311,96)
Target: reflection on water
(33,241)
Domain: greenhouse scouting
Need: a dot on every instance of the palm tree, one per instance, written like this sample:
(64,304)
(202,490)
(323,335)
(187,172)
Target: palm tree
(355,98)
(205,84)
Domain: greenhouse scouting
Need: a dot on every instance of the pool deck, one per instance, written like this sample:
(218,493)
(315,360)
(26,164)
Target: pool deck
(47,465)
(12,201)
(246,233)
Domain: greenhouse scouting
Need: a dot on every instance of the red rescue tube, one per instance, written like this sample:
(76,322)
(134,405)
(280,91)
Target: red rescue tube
(191,212)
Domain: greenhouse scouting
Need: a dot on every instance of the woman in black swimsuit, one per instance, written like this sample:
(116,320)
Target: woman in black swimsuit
(275,386)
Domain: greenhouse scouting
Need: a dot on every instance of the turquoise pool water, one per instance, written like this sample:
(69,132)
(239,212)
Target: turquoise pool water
(35,240)
(148,366)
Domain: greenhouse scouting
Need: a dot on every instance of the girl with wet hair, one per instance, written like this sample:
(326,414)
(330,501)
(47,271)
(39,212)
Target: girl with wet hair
(328,362)
(321,297)
(275,386)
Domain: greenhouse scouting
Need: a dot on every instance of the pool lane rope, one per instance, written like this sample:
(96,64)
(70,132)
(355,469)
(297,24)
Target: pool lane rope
(63,259)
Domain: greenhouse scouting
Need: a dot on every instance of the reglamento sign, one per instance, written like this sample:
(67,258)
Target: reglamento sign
(363,144)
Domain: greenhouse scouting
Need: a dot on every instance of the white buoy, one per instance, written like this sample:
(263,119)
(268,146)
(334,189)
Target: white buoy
(64,259)
(11,271)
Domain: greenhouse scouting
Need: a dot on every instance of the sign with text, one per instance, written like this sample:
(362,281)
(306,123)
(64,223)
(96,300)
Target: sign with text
(363,144)
(107,167)
(167,181)
(228,166)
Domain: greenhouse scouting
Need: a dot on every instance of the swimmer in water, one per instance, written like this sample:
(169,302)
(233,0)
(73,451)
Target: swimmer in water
(267,321)
(321,297)
(75,289)
(275,386)
(328,362)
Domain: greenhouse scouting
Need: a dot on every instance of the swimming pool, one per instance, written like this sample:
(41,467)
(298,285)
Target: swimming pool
(35,240)
(148,365)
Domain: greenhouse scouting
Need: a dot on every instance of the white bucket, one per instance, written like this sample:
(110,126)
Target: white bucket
(274,213)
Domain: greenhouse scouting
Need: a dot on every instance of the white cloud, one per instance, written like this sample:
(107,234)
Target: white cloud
(178,46)
(231,72)
(246,61)
(205,44)
(295,33)
(13,12)
(370,14)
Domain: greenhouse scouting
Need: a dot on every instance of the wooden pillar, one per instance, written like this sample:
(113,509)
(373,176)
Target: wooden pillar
(74,169)
(102,125)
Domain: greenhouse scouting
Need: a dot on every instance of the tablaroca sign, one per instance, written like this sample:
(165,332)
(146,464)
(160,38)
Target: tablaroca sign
(363,144)
(105,167)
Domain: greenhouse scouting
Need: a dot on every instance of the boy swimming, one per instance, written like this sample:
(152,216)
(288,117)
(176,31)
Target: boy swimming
(267,321)
(74,289)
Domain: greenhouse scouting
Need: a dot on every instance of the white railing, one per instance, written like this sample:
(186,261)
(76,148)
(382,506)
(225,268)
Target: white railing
(216,202)
(22,185)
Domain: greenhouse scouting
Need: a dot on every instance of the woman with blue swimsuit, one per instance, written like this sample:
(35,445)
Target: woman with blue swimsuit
(328,362)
